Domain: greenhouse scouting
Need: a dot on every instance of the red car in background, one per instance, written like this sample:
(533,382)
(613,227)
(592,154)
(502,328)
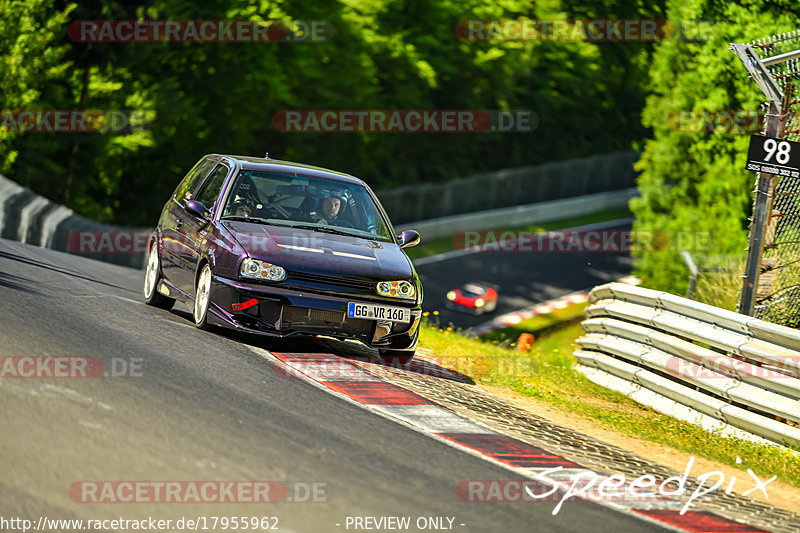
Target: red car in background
(475,297)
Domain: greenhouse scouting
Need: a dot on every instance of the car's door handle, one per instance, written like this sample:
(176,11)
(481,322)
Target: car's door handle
(178,223)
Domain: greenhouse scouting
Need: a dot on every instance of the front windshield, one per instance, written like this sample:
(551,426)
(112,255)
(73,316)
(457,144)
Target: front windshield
(313,203)
(471,290)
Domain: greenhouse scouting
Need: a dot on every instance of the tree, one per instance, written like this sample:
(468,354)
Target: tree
(28,58)
(383,55)
(693,183)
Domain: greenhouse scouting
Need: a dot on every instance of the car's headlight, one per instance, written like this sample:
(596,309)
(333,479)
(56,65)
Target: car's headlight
(451,295)
(255,269)
(397,289)
(479,302)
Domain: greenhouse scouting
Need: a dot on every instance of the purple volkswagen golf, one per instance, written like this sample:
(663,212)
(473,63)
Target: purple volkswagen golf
(280,248)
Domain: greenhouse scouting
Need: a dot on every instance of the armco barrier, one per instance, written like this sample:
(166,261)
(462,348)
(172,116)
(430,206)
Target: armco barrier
(523,215)
(663,349)
(511,187)
(27,217)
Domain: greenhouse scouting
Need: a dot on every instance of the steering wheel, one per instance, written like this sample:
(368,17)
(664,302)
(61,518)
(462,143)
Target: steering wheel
(271,211)
(343,224)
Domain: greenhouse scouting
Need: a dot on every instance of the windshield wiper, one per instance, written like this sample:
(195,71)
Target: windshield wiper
(324,229)
(238,218)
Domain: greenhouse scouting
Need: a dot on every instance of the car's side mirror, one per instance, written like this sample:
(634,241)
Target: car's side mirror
(197,208)
(409,238)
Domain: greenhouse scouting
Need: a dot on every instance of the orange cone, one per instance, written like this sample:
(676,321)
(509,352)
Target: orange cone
(525,342)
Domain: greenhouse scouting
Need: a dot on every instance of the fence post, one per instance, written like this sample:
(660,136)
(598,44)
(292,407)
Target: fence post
(779,103)
(758,223)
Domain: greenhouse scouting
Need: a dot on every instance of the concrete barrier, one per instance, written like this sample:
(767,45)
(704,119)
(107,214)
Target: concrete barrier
(27,217)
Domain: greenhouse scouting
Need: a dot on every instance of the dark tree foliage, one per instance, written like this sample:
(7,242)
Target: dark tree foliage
(199,98)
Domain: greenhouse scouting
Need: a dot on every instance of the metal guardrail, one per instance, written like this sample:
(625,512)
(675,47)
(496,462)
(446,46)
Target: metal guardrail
(522,215)
(511,187)
(736,369)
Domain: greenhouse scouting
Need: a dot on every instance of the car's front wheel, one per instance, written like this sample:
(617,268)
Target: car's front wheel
(152,278)
(202,298)
(396,357)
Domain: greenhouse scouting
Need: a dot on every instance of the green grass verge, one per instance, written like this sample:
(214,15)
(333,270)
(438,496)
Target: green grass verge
(539,324)
(445,244)
(545,373)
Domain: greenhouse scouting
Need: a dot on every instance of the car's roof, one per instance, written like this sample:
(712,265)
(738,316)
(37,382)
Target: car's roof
(474,287)
(276,165)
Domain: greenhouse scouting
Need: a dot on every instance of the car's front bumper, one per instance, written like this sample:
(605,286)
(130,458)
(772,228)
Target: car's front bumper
(282,312)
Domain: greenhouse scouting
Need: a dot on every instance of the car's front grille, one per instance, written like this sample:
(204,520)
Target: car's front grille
(360,285)
(302,315)
(322,321)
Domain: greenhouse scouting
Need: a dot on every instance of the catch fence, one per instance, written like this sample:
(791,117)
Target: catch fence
(772,277)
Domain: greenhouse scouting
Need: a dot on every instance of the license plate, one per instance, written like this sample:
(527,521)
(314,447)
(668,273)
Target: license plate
(378,312)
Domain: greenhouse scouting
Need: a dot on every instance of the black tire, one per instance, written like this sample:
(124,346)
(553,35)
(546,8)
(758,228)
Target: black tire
(152,278)
(202,298)
(396,357)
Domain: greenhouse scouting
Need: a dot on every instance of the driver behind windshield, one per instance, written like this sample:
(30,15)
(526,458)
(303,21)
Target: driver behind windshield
(244,200)
(242,209)
(331,208)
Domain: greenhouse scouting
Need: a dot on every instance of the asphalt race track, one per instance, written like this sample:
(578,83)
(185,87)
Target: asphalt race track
(524,279)
(204,406)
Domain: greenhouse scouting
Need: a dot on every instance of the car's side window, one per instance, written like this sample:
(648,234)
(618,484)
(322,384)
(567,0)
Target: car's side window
(192,180)
(209,191)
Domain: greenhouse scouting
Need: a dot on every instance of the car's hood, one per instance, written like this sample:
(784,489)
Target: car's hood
(313,252)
